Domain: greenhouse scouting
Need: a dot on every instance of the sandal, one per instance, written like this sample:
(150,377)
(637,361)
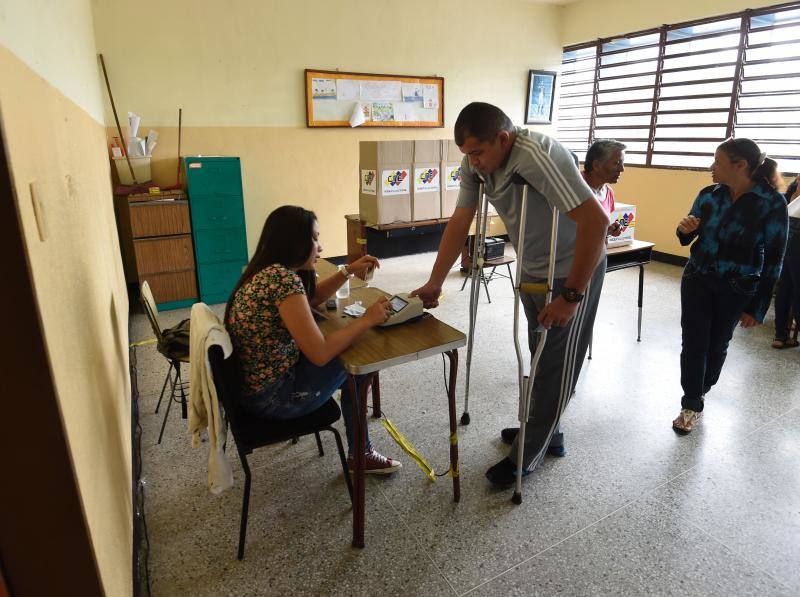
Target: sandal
(788,343)
(686,421)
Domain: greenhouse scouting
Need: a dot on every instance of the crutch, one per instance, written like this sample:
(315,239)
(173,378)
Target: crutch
(478,252)
(526,385)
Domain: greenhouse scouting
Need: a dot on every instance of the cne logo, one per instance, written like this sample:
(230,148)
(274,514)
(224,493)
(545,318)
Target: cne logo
(369,177)
(455,175)
(396,178)
(427,175)
(625,221)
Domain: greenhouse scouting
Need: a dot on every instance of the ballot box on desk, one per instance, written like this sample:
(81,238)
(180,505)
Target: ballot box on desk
(625,215)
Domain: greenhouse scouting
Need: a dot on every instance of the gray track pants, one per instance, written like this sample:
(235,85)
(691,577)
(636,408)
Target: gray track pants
(559,366)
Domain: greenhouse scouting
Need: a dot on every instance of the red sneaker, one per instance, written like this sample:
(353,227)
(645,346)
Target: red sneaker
(376,463)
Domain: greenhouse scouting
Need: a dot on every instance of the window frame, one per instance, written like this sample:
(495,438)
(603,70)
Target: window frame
(733,110)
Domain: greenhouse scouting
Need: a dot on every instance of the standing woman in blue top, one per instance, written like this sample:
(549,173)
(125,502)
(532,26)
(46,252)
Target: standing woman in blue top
(739,226)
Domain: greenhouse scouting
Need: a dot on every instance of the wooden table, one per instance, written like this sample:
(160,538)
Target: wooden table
(380,348)
(638,255)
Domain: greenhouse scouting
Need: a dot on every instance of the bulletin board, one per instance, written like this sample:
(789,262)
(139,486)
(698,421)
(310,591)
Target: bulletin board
(337,99)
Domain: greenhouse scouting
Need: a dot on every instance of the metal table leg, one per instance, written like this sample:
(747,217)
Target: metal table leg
(641,293)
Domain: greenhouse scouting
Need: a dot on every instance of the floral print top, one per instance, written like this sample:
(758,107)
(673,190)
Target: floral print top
(265,347)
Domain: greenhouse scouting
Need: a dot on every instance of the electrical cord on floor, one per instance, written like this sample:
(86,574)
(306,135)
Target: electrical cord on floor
(139,512)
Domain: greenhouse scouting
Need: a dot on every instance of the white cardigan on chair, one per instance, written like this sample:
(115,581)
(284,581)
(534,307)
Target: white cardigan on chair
(206,331)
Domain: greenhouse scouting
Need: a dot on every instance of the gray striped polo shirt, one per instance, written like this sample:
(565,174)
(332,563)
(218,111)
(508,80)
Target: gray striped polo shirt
(552,173)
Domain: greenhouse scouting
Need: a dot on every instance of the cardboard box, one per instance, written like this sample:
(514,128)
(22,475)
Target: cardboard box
(451,176)
(625,215)
(385,181)
(425,190)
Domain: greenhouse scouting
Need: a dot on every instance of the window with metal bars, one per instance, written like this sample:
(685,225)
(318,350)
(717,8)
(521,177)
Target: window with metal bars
(672,94)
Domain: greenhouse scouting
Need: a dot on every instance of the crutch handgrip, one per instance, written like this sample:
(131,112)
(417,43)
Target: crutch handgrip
(532,288)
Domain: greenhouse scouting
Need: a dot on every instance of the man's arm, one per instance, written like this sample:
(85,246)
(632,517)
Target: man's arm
(455,233)
(590,238)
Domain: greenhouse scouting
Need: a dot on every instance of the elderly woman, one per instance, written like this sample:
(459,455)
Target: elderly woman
(604,163)
(738,226)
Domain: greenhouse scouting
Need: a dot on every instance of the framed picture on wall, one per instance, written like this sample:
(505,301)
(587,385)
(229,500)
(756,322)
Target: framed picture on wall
(539,107)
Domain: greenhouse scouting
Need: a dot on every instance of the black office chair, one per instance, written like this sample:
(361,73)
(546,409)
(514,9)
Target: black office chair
(251,432)
(175,353)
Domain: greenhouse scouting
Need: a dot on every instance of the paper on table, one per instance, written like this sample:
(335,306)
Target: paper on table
(347,90)
(357,117)
(430,97)
(376,91)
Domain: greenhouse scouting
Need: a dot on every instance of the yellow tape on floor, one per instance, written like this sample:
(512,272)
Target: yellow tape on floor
(144,342)
(409,449)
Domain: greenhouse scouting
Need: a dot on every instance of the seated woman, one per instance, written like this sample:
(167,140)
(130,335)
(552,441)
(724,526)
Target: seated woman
(289,368)
(787,299)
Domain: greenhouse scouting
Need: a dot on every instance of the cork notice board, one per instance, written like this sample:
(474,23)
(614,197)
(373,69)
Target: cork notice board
(335,98)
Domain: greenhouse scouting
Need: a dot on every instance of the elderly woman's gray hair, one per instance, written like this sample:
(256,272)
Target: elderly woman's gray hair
(601,151)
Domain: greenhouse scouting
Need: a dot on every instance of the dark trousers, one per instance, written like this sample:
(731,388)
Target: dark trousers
(559,367)
(710,309)
(303,389)
(788,295)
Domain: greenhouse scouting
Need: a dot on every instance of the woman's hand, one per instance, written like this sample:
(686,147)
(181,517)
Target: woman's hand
(378,313)
(689,224)
(361,265)
(615,229)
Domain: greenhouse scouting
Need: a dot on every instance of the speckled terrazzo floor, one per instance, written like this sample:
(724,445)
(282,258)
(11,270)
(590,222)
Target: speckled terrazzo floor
(633,509)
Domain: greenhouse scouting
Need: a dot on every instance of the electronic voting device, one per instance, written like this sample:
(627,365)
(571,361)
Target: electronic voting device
(402,308)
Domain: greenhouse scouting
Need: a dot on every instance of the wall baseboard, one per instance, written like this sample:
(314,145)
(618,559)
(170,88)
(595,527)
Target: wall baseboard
(669,258)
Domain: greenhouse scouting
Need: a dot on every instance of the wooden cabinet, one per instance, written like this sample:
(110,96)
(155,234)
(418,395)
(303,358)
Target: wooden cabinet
(159,243)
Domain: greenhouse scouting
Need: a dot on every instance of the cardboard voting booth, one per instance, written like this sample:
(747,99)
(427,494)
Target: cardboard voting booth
(625,215)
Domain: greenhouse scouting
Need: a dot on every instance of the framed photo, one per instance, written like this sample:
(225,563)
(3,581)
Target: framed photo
(539,107)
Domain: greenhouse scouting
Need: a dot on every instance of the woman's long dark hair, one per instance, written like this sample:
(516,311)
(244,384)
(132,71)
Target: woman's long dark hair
(759,166)
(287,238)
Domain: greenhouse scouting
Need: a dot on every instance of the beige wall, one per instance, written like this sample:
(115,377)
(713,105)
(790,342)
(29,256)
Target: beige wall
(238,74)
(662,196)
(57,153)
(586,20)
(56,41)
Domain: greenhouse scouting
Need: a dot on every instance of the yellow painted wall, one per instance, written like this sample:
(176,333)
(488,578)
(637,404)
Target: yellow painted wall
(237,71)
(57,146)
(662,196)
(586,20)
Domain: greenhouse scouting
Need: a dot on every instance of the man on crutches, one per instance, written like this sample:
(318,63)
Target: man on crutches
(504,155)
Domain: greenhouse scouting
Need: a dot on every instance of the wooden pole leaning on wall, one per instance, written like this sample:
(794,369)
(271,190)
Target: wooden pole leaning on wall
(116,119)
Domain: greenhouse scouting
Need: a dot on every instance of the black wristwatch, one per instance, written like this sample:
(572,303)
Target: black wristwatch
(571,295)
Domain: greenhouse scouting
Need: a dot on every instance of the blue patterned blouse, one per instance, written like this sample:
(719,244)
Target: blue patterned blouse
(745,239)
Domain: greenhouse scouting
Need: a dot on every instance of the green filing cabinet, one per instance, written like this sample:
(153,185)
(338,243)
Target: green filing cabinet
(214,186)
